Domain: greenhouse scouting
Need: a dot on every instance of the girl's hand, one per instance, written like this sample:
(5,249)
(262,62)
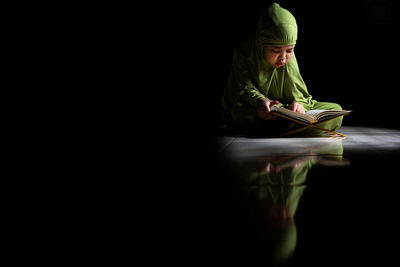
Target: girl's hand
(296,107)
(264,109)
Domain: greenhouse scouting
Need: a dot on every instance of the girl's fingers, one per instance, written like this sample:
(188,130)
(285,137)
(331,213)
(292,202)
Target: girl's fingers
(298,108)
(274,102)
(271,103)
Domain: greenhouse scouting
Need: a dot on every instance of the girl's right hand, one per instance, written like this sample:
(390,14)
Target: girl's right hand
(264,109)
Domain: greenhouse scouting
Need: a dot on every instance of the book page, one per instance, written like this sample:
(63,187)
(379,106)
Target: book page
(304,117)
(330,114)
(315,112)
(311,116)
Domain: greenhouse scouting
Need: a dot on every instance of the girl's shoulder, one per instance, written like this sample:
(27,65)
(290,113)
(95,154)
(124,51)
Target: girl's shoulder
(246,50)
(247,44)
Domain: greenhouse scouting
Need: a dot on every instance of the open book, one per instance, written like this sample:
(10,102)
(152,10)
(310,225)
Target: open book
(312,116)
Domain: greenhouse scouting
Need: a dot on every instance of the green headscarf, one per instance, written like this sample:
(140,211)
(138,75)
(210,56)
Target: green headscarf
(252,78)
(277,27)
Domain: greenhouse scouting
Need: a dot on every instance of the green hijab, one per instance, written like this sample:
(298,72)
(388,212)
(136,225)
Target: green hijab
(252,78)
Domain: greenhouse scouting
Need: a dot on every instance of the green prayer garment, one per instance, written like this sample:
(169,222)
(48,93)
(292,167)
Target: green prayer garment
(252,78)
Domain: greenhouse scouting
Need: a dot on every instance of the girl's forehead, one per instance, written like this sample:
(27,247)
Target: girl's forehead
(281,47)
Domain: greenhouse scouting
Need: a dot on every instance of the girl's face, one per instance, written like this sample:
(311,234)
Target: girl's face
(278,56)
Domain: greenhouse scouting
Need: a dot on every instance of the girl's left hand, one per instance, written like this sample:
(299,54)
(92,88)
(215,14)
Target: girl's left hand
(297,108)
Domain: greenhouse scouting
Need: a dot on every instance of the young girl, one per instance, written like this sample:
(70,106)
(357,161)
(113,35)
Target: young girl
(264,73)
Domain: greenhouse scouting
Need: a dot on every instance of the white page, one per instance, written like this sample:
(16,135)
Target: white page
(315,112)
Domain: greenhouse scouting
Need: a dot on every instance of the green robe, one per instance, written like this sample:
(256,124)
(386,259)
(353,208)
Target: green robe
(252,78)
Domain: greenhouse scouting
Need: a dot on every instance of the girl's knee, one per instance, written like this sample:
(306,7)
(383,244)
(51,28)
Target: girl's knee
(336,106)
(243,114)
(327,105)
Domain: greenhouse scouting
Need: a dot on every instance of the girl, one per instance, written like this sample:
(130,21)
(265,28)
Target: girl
(264,73)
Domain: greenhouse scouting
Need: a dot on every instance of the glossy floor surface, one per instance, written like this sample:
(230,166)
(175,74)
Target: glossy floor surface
(307,201)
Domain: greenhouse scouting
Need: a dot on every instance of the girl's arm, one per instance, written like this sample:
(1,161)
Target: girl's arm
(295,88)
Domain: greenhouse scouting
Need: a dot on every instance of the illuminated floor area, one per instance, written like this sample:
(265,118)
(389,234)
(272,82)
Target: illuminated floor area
(358,140)
(308,201)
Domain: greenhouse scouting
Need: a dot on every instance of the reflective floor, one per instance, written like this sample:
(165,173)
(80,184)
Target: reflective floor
(307,201)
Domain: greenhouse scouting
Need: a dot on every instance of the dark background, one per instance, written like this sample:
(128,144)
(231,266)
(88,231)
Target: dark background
(347,53)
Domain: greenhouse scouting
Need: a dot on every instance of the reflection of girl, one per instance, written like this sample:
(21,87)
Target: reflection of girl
(270,189)
(272,199)
(265,73)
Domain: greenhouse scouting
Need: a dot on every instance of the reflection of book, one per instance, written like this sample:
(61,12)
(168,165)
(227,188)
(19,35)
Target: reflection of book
(310,117)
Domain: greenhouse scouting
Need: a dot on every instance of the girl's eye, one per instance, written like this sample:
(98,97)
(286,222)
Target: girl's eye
(276,51)
(289,51)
